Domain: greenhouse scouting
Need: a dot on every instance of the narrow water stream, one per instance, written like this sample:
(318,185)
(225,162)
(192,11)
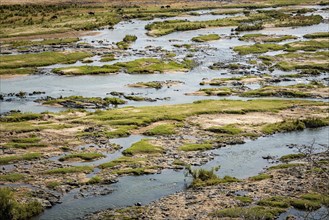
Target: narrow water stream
(240,161)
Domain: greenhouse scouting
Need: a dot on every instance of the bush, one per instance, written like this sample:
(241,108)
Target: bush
(10,209)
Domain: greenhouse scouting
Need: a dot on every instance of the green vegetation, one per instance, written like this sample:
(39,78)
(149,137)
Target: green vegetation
(204,38)
(153,65)
(167,27)
(15,158)
(66,170)
(40,59)
(276,201)
(317,35)
(266,38)
(10,209)
(53,184)
(298,20)
(306,60)
(244,199)
(18,71)
(249,27)
(143,147)
(290,157)
(139,66)
(249,22)
(202,177)
(295,125)
(260,177)
(135,171)
(128,161)
(308,202)
(164,129)
(195,147)
(227,129)
(107,58)
(255,212)
(226,12)
(20,117)
(84,156)
(84,102)
(127,40)
(153,84)
(11,177)
(285,166)
(223,91)
(297,91)
(311,45)
(304,204)
(94,180)
(60,41)
(258,48)
(87,70)
(179,163)
(25,143)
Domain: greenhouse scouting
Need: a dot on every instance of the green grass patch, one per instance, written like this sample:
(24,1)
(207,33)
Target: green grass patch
(298,20)
(153,84)
(195,147)
(285,166)
(317,35)
(107,58)
(306,60)
(66,170)
(87,70)
(249,27)
(20,117)
(12,177)
(260,177)
(127,40)
(135,171)
(81,102)
(276,201)
(179,163)
(284,126)
(224,91)
(58,41)
(258,48)
(15,158)
(303,204)
(266,38)
(40,59)
(204,38)
(295,125)
(290,157)
(84,156)
(170,26)
(94,180)
(311,45)
(255,213)
(138,66)
(18,71)
(53,184)
(244,199)
(164,129)
(127,161)
(143,147)
(154,65)
(227,129)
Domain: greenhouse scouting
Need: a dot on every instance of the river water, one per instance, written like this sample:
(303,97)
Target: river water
(240,161)
(98,86)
